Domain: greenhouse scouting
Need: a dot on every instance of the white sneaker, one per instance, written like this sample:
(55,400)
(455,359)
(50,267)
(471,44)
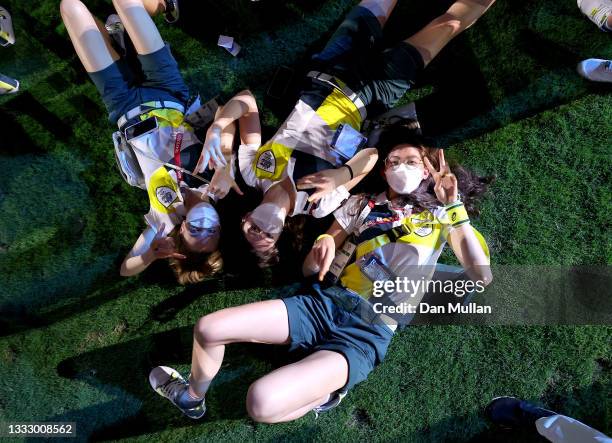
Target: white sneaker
(597,11)
(8,85)
(7,35)
(596,69)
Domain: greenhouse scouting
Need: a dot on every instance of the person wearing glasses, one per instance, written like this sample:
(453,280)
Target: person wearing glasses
(316,155)
(182,223)
(404,228)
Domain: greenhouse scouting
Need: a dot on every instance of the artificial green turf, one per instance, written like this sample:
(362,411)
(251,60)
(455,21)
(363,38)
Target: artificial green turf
(78,341)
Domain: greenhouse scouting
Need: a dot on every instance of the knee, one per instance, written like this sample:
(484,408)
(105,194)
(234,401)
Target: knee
(72,8)
(205,330)
(260,403)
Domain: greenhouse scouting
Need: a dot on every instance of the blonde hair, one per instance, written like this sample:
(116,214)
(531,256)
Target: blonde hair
(197,266)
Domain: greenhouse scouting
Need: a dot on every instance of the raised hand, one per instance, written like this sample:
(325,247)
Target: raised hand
(445,181)
(221,184)
(324,182)
(324,251)
(164,247)
(211,155)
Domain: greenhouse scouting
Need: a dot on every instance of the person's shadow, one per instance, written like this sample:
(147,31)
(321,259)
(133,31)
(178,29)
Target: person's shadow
(126,366)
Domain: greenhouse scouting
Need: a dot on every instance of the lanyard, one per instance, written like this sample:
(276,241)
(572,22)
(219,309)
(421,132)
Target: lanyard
(178,141)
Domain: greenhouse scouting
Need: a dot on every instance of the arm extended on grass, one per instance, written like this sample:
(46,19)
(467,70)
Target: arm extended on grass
(320,257)
(329,179)
(136,263)
(160,247)
(470,254)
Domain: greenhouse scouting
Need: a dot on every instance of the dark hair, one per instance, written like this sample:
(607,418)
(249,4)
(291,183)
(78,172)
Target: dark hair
(406,132)
(197,266)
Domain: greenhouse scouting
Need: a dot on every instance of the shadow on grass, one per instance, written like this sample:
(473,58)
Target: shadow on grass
(126,366)
(205,20)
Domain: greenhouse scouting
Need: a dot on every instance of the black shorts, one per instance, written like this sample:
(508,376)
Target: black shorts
(356,56)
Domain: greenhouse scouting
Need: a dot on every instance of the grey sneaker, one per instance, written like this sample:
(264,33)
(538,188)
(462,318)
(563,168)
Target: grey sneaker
(596,69)
(116,30)
(170,384)
(334,400)
(171,14)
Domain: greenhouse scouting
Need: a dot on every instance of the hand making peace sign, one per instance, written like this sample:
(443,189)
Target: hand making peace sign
(446,182)
(164,247)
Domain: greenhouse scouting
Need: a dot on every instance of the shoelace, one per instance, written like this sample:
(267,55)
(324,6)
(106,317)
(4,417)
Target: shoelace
(171,388)
(114,27)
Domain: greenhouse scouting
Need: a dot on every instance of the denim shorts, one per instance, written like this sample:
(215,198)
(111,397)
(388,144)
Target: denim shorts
(335,319)
(355,54)
(162,80)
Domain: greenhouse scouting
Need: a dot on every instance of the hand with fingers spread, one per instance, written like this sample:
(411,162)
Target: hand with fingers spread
(324,182)
(324,251)
(445,181)
(222,182)
(211,155)
(164,247)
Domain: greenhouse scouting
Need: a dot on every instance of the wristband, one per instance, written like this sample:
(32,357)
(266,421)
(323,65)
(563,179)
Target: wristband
(323,236)
(457,215)
(350,170)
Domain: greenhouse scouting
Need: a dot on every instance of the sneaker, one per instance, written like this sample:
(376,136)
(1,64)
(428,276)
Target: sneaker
(597,11)
(170,384)
(7,36)
(511,412)
(171,14)
(116,30)
(334,400)
(8,85)
(596,69)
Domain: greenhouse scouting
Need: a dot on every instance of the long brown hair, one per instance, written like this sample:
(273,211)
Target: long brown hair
(471,186)
(197,266)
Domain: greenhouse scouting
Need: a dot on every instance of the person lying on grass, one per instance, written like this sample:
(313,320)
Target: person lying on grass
(314,158)
(403,232)
(183,224)
(345,345)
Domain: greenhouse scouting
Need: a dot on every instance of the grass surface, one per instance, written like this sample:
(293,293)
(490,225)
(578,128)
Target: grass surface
(77,341)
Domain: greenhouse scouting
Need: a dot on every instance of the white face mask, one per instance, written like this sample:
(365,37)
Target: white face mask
(269,217)
(404,179)
(202,218)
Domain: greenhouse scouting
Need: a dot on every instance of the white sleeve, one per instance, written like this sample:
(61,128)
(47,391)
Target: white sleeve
(143,243)
(331,201)
(347,214)
(246,157)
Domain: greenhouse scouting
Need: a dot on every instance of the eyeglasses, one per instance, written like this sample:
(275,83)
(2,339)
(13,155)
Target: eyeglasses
(256,230)
(198,231)
(396,161)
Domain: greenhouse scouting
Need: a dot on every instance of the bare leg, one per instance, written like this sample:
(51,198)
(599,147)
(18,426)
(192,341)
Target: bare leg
(261,322)
(380,8)
(139,26)
(91,41)
(462,14)
(154,7)
(291,391)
